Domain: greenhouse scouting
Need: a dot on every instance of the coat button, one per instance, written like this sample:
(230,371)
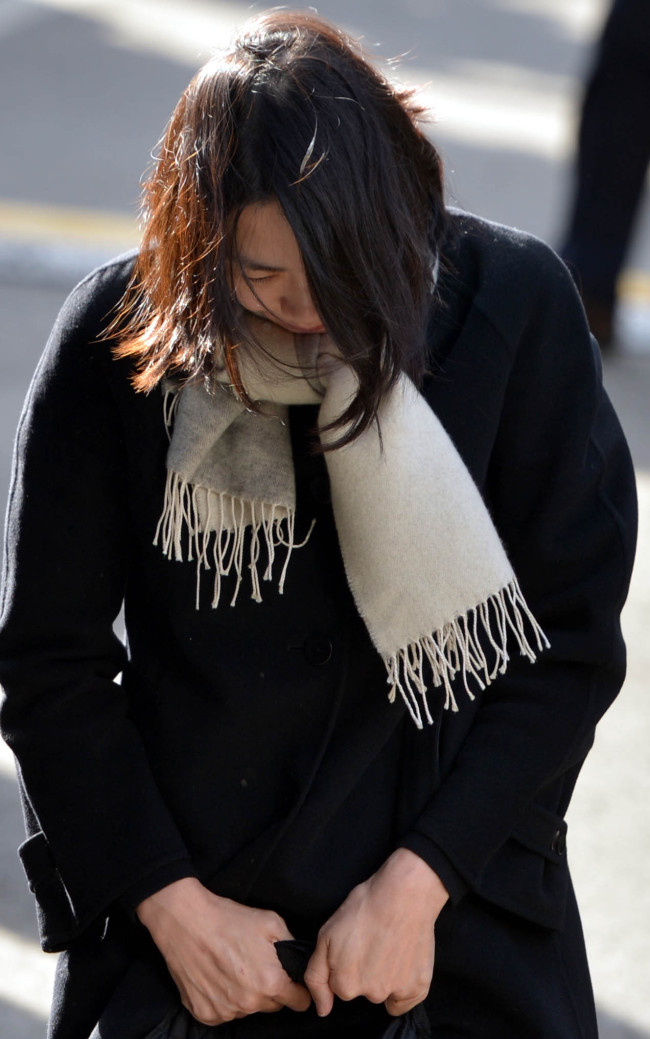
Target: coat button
(319,489)
(318,650)
(558,844)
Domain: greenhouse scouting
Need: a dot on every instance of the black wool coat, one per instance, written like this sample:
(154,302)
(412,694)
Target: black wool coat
(254,746)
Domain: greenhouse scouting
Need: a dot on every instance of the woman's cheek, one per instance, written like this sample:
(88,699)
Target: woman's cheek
(243,295)
(250,300)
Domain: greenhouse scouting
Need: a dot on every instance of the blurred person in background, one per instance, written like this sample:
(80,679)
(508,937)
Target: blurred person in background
(285,435)
(612,162)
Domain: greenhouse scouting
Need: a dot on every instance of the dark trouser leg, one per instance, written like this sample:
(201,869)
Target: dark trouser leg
(614,151)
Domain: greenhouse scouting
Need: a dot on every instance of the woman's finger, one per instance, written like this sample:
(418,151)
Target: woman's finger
(295,996)
(317,979)
(398,1005)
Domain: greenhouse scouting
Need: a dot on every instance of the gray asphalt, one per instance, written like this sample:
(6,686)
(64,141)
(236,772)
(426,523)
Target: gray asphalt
(86,91)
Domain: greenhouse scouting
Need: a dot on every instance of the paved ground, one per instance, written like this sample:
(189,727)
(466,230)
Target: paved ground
(87,86)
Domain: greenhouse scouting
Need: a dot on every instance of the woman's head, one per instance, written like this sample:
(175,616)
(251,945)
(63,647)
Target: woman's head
(290,139)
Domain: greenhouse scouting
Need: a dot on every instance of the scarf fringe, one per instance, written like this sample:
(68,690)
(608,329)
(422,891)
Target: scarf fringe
(221,546)
(456,648)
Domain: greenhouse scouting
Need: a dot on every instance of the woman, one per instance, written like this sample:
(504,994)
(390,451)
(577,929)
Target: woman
(265,435)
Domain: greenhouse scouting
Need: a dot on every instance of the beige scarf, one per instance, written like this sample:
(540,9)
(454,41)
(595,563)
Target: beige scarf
(428,573)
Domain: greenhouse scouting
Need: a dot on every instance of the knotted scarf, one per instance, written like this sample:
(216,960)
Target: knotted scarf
(426,567)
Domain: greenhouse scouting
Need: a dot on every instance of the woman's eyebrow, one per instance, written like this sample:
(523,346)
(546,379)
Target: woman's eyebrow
(257,265)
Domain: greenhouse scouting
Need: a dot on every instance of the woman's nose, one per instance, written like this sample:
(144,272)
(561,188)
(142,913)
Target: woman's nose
(298,306)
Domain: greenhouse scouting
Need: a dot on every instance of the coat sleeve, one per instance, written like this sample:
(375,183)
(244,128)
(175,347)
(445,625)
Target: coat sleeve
(559,482)
(97,824)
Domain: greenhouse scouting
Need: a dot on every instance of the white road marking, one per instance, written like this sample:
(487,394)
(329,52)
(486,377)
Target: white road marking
(26,974)
(7,763)
(186,30)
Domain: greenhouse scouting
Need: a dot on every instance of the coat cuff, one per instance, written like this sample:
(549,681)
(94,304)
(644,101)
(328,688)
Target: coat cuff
(440,864)
(58,922)
(155,881)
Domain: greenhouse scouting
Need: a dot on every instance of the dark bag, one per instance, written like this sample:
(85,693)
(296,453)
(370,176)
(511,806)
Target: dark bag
(294,955)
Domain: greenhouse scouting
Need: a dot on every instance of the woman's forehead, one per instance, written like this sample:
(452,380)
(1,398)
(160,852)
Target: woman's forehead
(265,239)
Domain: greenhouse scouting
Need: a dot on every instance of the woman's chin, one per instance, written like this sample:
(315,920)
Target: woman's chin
(319,331)
(295,329)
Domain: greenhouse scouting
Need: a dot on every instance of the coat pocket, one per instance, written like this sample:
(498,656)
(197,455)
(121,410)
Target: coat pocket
(529,875)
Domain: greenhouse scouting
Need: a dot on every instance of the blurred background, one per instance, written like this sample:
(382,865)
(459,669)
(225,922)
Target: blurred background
(86,87)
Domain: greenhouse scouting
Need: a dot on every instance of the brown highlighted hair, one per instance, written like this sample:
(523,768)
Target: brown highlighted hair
(293,112)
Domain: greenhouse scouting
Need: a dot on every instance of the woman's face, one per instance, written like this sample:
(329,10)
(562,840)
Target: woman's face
(268,254)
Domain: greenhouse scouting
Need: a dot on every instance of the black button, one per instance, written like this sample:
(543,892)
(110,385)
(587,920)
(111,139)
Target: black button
(558,844)
(319,488)
(318,650)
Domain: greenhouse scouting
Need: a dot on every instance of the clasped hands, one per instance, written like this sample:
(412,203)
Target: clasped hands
(379,944)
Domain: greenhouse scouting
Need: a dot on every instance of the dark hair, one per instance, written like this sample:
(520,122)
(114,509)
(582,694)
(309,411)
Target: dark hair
(293,112)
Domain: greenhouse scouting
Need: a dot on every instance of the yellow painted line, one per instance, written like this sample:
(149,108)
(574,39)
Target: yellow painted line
(30,222)
(634,287)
